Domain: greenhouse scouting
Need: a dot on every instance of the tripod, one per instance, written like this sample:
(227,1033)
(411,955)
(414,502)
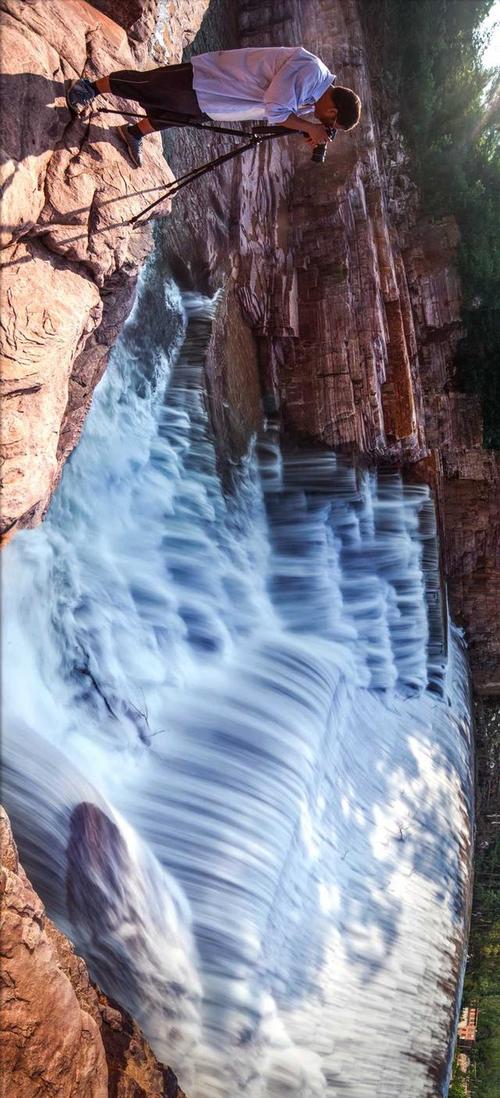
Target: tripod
(257,135)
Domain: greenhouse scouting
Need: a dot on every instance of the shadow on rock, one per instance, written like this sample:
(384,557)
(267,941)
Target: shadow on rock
(36,118)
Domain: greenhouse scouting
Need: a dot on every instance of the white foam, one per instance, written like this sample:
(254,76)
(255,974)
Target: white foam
(243,680)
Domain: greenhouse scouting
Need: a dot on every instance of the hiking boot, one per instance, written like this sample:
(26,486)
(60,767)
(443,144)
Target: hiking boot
(133,143)
(79,94)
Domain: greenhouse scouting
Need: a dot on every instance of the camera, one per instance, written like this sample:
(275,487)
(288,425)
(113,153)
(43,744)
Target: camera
(319,152)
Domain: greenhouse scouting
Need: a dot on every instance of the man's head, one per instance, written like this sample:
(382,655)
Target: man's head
(339,107)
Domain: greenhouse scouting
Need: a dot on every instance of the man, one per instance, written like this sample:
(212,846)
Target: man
(280,86)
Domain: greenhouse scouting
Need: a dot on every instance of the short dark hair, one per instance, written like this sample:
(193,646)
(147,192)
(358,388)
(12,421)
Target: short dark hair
(348,106)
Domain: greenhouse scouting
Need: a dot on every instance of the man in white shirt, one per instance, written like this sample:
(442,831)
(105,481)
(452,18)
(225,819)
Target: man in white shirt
(281,86)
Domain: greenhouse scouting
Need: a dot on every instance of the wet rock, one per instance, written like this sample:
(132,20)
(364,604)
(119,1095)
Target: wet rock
(466,478)
(60,1034)
(141,950)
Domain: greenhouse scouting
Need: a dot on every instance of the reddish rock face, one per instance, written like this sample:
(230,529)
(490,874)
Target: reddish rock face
(340,351)
(356,302)
(472,544)
(128,13)
(155,29)
(70,258)
(59,1032)
(467,478)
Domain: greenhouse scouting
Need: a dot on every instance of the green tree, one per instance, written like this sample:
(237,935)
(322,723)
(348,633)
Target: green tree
(430,54)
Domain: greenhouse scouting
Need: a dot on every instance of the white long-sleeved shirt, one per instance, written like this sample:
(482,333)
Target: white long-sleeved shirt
(267,83)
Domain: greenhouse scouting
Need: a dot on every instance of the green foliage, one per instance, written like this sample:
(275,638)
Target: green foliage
(430,54)
(478,364)
(458,1087)
(482,978)
(484,1074)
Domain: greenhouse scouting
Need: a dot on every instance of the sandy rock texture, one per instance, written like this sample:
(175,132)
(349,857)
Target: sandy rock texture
(60,1034)
(70,258)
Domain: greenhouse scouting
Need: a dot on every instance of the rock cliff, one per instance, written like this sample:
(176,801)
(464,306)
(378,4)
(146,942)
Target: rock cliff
(465,478)
(354,300)
(60,1034)
(70,258)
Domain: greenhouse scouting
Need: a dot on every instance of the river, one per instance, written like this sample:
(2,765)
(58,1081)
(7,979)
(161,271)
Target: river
(237,741)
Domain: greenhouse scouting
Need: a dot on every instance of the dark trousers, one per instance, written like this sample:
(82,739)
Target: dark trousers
(164,93)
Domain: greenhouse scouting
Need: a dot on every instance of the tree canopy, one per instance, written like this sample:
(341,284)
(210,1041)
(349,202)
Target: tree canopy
(431,53)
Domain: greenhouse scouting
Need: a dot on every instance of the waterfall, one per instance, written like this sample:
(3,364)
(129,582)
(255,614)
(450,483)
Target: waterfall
(237,741)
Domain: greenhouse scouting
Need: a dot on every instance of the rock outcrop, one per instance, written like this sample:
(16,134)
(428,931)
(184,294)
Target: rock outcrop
(156,30)
(60,1034)
(70,255)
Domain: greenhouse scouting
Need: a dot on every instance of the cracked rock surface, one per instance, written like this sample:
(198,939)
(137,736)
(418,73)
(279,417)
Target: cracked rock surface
(69,257)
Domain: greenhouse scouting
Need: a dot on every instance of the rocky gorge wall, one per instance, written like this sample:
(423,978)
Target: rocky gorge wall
(363,319)
(353,302)
(351,313)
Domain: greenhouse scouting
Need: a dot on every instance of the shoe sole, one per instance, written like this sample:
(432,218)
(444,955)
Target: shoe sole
(128,144)
(75,111)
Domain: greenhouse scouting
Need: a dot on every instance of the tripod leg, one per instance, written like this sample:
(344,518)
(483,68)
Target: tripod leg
(195,173)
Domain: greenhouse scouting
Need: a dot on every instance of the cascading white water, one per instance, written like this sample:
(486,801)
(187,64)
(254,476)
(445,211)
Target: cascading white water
(237,760)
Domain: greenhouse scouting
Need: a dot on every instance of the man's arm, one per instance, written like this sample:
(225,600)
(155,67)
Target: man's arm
(315,133)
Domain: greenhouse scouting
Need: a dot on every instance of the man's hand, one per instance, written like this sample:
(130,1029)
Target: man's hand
(315,134)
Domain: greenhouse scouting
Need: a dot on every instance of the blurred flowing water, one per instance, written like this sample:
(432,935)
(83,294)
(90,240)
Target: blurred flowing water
(237,743)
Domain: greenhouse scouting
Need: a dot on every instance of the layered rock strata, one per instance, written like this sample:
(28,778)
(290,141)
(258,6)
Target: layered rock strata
(60,1034)
(354,301)
(465,478)
(70,255)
